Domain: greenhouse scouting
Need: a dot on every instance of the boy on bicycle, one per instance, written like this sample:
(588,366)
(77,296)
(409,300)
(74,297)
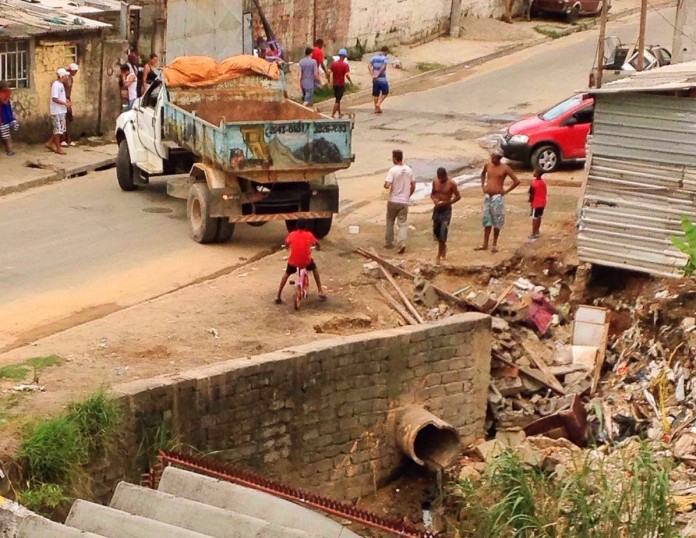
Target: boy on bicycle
(300,243)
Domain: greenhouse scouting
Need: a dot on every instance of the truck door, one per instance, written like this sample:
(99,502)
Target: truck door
(149,118)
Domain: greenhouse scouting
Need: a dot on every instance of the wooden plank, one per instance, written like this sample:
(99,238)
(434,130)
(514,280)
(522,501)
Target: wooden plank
(541,365)
(401,294)
(461,303)
(528,373)
(501,298)
(395,305)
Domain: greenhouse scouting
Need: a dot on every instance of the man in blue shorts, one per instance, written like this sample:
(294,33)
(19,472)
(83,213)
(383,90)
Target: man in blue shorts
(378,70)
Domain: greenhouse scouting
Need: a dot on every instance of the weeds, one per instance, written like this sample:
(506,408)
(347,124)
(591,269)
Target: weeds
(688,247)
(324,93)
(593,499)
(43,498)
(54,451)
(19,372)
(424,67)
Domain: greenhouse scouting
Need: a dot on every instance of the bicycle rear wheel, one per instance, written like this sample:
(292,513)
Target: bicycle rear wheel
(298,297)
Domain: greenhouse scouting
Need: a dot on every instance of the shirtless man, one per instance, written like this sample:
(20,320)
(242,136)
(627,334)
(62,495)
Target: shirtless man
(444,194)
(493,178)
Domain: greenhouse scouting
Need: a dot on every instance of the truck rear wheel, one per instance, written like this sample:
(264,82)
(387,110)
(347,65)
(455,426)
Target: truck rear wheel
(124,169)
(321,227)
(204,228)
(225,229)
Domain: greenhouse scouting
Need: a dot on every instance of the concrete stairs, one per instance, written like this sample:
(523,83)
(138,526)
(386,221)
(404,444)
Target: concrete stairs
(187,505)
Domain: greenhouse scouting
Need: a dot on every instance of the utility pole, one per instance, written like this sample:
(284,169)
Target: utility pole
(455,18)
(641,34)
(684,42)
(600,45)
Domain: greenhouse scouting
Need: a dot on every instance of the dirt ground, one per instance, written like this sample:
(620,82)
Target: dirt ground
(234,315)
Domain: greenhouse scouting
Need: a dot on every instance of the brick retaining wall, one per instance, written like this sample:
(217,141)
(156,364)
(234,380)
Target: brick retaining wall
(319,415)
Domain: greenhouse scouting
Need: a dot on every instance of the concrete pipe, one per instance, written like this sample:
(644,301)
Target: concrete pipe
(427,439)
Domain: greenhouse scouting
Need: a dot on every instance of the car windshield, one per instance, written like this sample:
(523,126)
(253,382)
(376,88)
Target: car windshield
(561,108)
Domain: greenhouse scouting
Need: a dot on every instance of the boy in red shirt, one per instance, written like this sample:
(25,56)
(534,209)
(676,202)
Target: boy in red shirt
(537,200)
(340,72)
(300,243)
(318,56)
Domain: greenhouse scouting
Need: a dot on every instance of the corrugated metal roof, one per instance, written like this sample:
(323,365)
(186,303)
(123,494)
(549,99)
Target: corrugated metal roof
(19,19)
(681,76)
(641,181)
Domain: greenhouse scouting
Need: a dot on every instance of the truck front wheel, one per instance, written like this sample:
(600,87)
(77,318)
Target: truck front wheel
(321,227)
(124,168)
(204,228)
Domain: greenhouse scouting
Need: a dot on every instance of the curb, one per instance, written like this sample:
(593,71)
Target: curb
(365,96)
(59,175)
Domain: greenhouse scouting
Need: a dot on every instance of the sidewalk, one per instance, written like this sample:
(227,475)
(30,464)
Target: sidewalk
(34,165)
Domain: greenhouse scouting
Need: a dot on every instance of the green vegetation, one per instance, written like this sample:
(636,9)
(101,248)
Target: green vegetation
(428,66)
(54,451)
(591,499)
(19,372)
(688,247)
(43,496)
(326,92)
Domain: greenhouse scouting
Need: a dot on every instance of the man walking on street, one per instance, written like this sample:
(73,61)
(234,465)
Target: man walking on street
(493,178)
(400,182)
(318,56)
(69,80)
(340,71)
(378,70)
(58,108)
(444,194)
(308,77)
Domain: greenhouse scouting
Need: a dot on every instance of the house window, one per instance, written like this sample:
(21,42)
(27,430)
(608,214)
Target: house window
(71,54)
(14,63)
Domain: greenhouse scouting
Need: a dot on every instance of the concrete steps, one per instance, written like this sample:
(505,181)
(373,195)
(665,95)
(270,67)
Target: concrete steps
(40,527)
(195,516)
(186,505)
(250,502)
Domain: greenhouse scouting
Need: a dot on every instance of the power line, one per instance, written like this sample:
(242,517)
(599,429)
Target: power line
(670,23)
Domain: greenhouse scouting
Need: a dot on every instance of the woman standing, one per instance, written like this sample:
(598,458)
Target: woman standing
(150,71)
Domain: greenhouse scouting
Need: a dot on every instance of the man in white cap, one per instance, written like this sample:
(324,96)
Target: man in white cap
(493,178)
(339,72)
(58,108)
(68,83)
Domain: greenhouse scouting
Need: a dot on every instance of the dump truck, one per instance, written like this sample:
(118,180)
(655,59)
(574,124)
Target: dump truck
(226,138)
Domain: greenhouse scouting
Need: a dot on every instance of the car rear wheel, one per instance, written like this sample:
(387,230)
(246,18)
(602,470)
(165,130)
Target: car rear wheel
(574,14)
(546,158)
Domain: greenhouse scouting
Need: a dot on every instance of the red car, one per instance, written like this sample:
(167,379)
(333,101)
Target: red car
(553,136)
(571,9)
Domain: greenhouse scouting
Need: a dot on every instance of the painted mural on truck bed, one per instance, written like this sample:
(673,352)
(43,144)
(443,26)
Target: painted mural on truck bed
(247,135)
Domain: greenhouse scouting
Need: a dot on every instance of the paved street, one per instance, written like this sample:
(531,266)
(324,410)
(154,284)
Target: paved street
(80,249)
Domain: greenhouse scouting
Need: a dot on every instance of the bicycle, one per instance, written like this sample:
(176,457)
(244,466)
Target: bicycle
(301,287)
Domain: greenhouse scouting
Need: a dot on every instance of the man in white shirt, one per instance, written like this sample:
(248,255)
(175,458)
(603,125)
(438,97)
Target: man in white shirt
(400,182)
(58,108)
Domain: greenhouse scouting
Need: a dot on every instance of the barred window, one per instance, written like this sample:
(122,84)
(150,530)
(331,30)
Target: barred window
(71,55)
(14,63)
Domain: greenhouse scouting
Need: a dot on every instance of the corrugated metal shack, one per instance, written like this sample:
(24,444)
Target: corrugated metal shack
(642,172)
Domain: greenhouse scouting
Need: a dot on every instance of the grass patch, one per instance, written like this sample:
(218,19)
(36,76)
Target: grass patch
(595,498)
(43,497)
(54,451)
(325,93)
(19,372)
(14,372)
(424,67)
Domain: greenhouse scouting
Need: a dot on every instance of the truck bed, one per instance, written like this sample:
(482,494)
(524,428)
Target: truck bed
(255,132)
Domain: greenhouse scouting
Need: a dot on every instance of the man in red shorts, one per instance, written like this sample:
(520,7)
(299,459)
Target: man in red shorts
(300,243)
(340,72)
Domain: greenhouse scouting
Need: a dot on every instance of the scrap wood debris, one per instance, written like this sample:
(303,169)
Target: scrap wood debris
(597,373)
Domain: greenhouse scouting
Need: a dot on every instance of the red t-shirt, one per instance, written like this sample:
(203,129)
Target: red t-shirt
(318,55)
(538,193)
(300,243)
(340,69)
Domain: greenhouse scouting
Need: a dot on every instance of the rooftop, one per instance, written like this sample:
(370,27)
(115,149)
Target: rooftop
(681,76)
(24,18)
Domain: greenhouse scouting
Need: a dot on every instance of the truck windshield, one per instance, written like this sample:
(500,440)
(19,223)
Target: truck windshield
(561,108)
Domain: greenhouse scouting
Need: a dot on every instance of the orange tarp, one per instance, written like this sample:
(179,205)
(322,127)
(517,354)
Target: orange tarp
(197,71)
